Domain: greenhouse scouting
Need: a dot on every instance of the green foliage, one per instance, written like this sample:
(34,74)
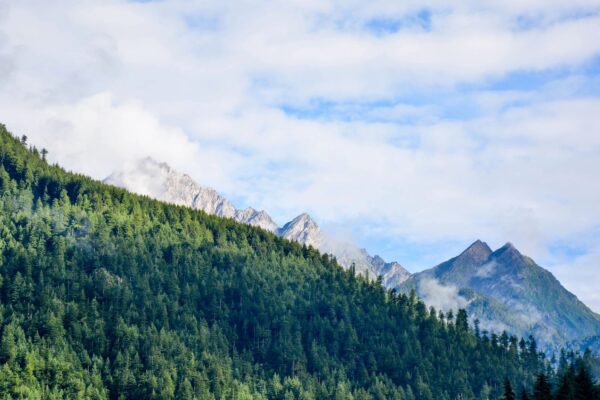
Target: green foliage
(109,295)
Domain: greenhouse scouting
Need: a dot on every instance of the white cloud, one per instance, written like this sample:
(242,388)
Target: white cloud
(442,297)
(100,134)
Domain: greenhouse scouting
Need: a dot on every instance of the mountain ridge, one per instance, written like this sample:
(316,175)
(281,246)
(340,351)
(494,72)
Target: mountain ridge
(158,180)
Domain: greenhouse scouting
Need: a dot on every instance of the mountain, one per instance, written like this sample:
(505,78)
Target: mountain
(303,229)
(392,273)
(106,294)
(507,290)
(158,180)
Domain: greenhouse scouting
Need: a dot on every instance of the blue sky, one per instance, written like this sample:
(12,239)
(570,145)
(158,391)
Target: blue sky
(412,128)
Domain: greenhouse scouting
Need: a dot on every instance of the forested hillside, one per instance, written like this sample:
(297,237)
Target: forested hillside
(106,294)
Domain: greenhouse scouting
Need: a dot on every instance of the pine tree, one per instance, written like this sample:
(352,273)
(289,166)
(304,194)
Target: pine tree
(524,394)
(542,390)
(509,394)
(584,387)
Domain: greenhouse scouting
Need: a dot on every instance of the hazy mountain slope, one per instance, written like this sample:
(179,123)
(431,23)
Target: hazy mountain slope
(505,289)
(592,343)
(160,181)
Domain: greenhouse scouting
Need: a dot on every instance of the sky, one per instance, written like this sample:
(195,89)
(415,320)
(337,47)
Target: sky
(410,127)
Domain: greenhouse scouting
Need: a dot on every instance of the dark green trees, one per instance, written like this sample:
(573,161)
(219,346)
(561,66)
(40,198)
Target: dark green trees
(572,382)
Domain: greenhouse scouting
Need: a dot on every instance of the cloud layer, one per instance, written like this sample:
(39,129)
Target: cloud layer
(414,127)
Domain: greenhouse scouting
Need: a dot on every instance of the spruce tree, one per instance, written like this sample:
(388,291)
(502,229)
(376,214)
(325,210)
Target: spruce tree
(584,387)
(509,394)
(524,394)
(542,390)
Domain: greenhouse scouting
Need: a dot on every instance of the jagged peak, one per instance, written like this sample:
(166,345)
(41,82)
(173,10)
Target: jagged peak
(304,216)
(248,211)
(304,230)
(508,250)
(304,219)
(378,259)
(479,245)
(263,213)
(509,245)
(478,249)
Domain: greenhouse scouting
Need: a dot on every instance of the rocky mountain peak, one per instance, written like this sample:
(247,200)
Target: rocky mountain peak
(303,229)
(305,219)
(478,251)
(509,254)
(257,218)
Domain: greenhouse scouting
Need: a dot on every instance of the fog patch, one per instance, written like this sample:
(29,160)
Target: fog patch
(143,177)
(493,326)
(442,297)
(486,270)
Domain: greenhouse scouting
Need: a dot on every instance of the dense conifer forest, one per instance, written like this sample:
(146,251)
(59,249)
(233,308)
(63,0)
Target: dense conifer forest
(109,295)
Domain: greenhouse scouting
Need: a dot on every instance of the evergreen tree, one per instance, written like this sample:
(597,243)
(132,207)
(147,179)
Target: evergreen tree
(542,390)
(524,394)
(584,386)
(509,394)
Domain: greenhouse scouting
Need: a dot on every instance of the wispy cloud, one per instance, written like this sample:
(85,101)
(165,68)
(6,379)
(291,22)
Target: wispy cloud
(442,297)
(414,126)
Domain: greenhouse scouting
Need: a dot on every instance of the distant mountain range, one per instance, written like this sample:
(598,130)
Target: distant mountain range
(506,290)
(503,289)
(158,180)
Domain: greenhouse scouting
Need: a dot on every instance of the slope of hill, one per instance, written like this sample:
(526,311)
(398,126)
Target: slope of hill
(507,290)
(107,294)
(160,181)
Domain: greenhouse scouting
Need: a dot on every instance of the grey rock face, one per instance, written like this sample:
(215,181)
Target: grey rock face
(261,219)
(303,229)
(393,273)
